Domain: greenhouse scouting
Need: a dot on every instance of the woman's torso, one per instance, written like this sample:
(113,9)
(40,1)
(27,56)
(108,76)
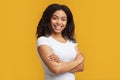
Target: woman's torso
(65,51)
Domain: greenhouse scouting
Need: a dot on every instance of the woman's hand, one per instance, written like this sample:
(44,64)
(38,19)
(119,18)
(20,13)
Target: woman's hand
(54,58)
(79,68)
(80,59)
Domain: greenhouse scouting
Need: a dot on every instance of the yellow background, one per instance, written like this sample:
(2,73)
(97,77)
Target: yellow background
(97,32)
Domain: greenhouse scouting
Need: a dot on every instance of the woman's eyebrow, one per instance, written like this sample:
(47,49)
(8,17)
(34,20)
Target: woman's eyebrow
(61,17)
(64,17)
(55,15)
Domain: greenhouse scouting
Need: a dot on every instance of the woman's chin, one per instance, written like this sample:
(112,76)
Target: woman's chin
(58,31)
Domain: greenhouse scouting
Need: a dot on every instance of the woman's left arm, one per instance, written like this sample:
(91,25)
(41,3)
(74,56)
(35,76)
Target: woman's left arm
(80,67)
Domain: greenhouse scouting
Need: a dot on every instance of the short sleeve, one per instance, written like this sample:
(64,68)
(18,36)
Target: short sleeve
(42,41)
(74,44)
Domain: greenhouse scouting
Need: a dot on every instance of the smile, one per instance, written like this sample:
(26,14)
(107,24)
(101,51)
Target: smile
(58,27)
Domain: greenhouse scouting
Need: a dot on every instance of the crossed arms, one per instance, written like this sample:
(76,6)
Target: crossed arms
(57,66)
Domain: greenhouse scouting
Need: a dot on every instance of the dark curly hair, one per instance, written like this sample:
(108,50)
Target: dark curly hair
(44,26)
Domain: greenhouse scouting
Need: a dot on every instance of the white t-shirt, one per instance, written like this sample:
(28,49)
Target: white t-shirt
(65,51)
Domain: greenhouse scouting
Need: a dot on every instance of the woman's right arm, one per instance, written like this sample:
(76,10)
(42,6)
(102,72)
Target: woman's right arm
(57,67)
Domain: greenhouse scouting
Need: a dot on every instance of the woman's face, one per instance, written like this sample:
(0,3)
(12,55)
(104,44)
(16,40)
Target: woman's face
(58,21)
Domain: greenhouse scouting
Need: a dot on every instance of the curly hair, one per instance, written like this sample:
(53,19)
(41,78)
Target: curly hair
(44,25)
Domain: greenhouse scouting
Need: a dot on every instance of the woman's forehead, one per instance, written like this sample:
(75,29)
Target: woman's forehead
(60,13)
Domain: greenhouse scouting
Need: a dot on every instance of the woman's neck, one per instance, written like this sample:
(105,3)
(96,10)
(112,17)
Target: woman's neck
(58,37)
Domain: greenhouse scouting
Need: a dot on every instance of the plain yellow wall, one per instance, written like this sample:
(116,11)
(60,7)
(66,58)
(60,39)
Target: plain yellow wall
(97,32)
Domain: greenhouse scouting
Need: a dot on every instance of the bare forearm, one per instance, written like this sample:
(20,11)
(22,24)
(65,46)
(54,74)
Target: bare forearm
(78,68)
(61,67)
(66,66)
(53,62)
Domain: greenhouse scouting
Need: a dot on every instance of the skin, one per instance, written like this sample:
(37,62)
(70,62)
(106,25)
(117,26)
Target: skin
(58,22)
(78,68)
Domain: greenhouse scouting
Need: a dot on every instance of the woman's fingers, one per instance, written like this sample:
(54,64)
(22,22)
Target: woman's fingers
(53,58)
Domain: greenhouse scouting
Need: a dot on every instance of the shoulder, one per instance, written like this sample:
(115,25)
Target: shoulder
(43,40)
(72,43)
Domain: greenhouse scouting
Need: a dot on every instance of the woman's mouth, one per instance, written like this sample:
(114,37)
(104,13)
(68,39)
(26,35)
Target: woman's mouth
(57,27)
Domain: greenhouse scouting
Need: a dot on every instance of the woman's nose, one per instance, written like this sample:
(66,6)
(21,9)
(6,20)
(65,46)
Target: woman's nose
(59,21)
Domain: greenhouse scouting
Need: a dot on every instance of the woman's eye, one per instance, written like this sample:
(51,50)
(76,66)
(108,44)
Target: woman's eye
(63,19)
(54,18)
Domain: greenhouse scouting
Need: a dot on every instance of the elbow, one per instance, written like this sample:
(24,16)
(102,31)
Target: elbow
(81,70)
(57,70)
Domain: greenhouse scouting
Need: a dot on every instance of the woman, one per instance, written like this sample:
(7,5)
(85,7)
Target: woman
(56,45)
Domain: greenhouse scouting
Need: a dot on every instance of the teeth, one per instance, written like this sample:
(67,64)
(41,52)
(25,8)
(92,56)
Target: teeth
(57,27)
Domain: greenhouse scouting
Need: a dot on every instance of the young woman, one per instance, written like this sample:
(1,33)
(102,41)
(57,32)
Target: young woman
(56,44)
